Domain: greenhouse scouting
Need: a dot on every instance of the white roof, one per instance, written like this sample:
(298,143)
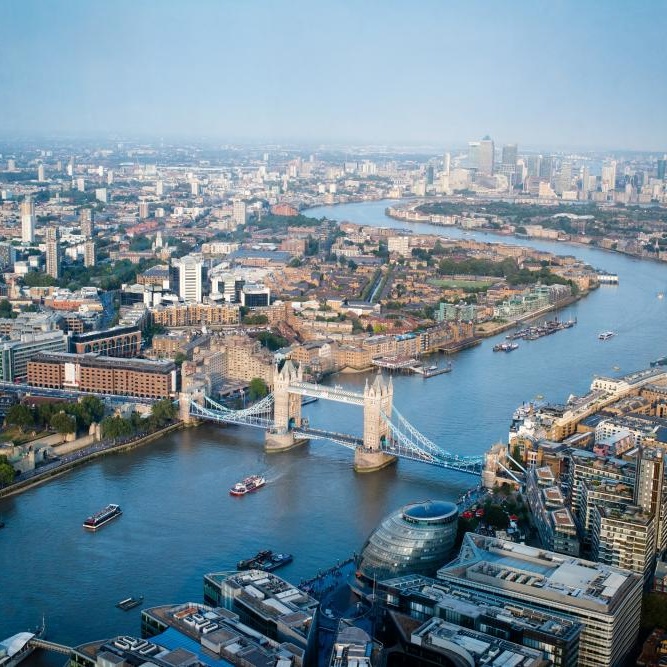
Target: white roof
(15,643)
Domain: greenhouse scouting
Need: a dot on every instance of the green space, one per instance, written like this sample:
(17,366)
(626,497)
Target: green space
(461,284)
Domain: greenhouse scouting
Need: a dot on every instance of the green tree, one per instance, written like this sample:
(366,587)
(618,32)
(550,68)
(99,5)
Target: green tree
(7,472)
(116,427)
(163,411)
(21,416)
(258,389)
(6,309)
(180,358)
(63,423)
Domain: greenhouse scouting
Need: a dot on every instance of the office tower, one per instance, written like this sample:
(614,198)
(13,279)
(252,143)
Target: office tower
(429,174)
(187,274)
(59,165)
(159,188)
(609,176)
(586,179)
(564,180)
(662,168)
(87,216)
(447,163)
(81,184)
(70,168)
(473,154)
(194,187)
(486,156)
(240,213)
(546,167)
(509,155)
(143,209)
(52,252)
(89,253)
(11,165)
(533,163)
(110,177)
(41,173)
(28,220)
(605,600)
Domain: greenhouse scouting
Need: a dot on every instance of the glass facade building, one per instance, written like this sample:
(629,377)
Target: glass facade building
(417,539)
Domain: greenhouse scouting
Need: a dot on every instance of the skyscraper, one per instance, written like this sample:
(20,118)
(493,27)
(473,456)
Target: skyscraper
(662,168)
(447,163)
(28,220)
(486,156)
(52,252)
(143,209)
(509,155)
(89,253)
(41,173)
(473,154)
(86,216)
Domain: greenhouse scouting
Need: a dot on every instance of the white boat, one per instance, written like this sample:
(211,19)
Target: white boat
(605,335)
(16,648)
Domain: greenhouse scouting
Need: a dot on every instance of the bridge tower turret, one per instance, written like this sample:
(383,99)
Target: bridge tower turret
(378,398)
(286,408)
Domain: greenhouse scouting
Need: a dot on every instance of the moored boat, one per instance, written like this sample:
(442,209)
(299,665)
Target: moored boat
(130,603)
(102,517)
(259,558)
(275,561)
(16,648)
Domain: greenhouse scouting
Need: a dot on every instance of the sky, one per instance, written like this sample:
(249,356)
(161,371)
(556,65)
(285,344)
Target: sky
(588,74)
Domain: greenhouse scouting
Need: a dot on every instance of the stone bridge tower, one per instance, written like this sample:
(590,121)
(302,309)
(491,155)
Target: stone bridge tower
(286,408)
(378,398)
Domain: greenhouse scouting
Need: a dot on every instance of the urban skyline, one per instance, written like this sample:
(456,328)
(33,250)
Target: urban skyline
(337,73)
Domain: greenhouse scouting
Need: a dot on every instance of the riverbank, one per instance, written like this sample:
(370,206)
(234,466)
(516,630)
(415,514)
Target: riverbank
(40,476)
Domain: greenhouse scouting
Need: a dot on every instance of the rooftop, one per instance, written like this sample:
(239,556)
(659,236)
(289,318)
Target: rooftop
(536,572)
(100,361)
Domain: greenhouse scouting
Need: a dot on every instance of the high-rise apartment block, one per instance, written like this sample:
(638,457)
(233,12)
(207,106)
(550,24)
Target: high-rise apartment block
(52,252)
(87,218)
(89,253)
(240,213)
(28,220)
(143,209)
(41,173)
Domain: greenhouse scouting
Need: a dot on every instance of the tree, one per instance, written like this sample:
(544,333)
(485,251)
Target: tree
(7,471)
(63,423)
(21,416)
(258,389)
(6,309)
(163,411)
(116,427)
(180,358)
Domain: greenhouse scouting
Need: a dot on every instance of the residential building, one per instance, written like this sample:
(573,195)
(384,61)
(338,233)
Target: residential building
(28,220)
(104,375)
(52,252)
(196,314)
(89,253)
(188,278)
(114,342)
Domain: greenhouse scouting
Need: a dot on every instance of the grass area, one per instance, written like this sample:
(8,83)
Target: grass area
(13,434)
(461,284)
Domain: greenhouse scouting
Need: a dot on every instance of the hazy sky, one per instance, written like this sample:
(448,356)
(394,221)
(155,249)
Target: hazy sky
(581,73)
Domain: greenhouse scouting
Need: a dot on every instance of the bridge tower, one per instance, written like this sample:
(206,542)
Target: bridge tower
(286,409)
(378,398)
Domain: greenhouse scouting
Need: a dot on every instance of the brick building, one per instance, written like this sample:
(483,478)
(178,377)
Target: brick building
(196,314)
(114,342)
(105,375)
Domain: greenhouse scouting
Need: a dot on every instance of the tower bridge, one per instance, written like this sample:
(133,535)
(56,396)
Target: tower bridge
(387,435)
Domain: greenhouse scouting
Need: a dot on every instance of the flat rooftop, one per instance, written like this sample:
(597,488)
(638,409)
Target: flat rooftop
(539,573)
(100,361)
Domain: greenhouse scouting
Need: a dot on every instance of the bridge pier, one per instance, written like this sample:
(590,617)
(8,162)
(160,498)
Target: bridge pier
(282,442)
(368,460)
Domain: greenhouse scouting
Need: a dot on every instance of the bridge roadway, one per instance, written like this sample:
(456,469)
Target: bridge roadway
(29,389)
(328,393)
(345,439)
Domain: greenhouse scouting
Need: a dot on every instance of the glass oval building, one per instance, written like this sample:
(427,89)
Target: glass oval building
(417,539)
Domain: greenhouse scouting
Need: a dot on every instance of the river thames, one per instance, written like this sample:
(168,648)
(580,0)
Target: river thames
(179,521)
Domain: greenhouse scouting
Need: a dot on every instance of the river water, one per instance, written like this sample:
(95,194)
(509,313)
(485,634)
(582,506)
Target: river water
(179,521)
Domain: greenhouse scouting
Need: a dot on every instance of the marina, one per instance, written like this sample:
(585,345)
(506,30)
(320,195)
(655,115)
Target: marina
(547,328)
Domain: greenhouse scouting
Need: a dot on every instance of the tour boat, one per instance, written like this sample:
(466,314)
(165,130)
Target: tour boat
(249,484)
(102,517)
(605,335)
(130,603)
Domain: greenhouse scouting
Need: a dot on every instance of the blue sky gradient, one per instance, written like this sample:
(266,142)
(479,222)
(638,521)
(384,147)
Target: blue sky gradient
(544,74)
